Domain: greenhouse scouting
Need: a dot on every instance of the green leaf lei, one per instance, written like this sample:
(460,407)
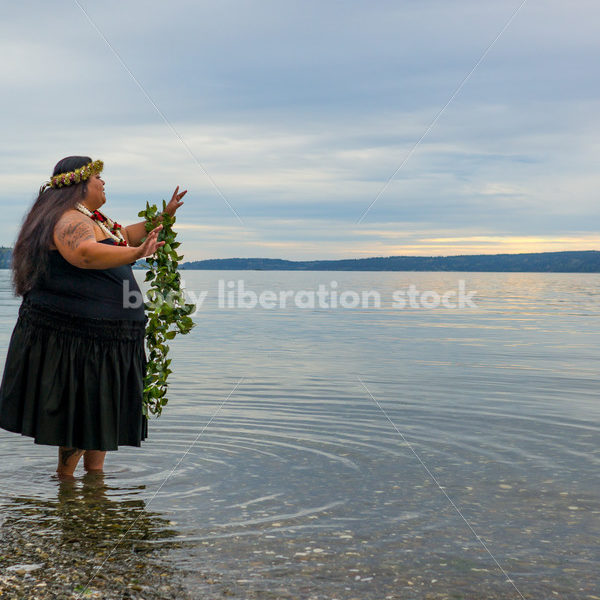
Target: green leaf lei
(166,309)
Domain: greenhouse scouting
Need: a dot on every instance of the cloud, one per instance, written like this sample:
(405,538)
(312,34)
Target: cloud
(301,113)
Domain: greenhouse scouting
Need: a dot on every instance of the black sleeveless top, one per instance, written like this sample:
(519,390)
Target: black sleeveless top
(93,293)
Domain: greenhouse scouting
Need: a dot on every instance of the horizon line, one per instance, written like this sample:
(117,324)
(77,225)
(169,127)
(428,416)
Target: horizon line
(393,256)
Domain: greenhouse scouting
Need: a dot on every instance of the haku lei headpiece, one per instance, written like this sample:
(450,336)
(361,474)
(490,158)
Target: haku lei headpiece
(110,227)
(76,176)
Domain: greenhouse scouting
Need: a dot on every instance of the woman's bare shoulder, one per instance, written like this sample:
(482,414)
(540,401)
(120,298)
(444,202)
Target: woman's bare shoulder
(72,228)
(73,225)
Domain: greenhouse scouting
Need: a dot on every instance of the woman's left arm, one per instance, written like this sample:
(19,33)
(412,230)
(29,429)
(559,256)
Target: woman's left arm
(134,234)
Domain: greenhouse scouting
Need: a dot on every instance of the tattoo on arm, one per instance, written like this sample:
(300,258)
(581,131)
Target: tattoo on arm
(66,453)
(75,232)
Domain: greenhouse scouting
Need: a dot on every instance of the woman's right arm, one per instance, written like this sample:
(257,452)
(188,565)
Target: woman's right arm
(75,239)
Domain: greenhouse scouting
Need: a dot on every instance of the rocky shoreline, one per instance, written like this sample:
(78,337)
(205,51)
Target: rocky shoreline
(86,545)
(41,569)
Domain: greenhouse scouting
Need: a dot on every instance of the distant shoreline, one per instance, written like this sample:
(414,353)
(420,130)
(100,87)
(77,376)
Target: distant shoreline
(577,261)
(585,261)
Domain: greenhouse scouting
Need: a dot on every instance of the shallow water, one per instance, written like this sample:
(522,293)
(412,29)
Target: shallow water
(365,452)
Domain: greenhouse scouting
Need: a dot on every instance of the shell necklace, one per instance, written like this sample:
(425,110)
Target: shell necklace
(110,227)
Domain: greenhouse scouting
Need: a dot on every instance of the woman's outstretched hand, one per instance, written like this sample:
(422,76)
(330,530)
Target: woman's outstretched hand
(175,201)
(148,248)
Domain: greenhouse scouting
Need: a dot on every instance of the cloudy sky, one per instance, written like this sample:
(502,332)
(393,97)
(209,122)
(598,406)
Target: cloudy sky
(286,120)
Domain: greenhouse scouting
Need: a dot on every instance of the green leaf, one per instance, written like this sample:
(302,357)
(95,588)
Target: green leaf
(166,309)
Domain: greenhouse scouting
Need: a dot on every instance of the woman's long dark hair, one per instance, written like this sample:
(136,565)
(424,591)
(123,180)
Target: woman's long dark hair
(30,254)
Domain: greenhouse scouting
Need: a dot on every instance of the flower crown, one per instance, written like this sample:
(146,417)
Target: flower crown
(76,176)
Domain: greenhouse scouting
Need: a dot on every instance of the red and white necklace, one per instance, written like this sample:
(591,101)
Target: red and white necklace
(110,227)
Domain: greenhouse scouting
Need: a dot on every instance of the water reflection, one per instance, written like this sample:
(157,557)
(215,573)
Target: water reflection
(83,513)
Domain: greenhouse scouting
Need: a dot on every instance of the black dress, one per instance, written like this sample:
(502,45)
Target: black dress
(76,361)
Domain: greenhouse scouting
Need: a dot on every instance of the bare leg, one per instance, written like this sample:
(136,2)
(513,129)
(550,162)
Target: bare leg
(67,461)
(93,460)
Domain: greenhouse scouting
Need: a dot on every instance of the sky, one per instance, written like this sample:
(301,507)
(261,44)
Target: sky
(308,130)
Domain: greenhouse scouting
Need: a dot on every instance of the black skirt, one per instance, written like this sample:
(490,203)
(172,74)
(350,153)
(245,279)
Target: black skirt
(74,381)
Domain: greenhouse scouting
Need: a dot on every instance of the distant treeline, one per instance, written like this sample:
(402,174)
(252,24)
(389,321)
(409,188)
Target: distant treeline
(548,262)
(5,257)
(545,262)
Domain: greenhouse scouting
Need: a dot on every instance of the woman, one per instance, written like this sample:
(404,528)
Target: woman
(76,361)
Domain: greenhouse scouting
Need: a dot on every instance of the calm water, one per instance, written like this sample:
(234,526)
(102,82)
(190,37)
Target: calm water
(363,452)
